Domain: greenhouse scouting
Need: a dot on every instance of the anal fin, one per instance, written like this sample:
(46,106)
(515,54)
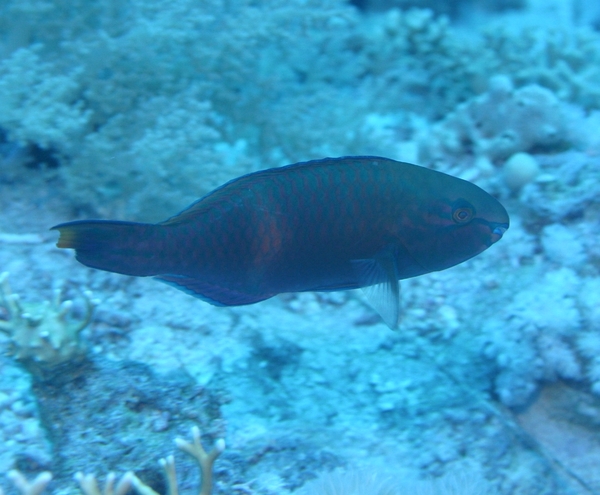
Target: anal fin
(211,293)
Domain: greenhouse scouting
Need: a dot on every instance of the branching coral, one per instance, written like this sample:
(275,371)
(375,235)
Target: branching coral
(26,487)
(89,484)
(45,334)
(204,459)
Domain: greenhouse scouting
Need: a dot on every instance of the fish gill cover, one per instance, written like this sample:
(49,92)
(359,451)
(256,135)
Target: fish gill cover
(135,109)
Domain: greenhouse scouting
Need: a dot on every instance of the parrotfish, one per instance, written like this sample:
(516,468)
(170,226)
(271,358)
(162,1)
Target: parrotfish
(323,225)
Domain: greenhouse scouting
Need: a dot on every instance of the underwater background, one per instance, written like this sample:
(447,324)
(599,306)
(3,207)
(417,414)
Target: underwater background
(133,109)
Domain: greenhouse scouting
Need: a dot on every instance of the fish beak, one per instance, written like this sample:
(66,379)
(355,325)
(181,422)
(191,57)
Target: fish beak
(498,231)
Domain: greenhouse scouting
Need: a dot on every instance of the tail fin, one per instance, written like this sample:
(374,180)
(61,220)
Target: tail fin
(123,247)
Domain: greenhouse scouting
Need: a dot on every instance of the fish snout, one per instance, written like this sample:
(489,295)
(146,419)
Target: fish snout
(498,230)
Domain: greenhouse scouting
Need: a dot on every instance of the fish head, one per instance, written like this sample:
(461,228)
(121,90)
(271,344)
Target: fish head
(452,225)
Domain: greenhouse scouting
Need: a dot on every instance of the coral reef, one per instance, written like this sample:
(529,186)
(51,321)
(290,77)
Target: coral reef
(541,321)
(43,335)
(563,60)
(25,444)
(133,109)
(149,112)
(333,483)
(205,460)
(140,405)
(150,83)
(89,484)
(500,123)
(566,191)
(374,482)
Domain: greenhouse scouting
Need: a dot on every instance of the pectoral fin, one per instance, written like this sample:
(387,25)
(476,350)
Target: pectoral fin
(380,283)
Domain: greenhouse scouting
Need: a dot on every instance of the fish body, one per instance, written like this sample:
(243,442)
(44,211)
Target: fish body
(323,225)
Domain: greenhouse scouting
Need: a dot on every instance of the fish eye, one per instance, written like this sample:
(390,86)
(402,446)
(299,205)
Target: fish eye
(462,214)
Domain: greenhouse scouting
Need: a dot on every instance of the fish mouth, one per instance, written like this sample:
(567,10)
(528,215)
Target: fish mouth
(498,230)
